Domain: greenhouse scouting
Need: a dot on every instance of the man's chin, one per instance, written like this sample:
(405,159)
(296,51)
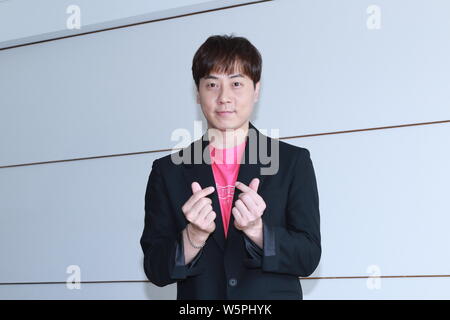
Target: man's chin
(225,125)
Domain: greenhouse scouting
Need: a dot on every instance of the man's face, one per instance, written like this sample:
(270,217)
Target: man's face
(227,100)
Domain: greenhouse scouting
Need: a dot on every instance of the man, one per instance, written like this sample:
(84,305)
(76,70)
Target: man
(219,225)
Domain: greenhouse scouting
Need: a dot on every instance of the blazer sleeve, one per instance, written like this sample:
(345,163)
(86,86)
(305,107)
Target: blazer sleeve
(254,252)
(161,243)
(295,248)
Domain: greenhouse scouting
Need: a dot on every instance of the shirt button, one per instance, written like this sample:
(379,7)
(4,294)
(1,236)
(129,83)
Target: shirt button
(232,282)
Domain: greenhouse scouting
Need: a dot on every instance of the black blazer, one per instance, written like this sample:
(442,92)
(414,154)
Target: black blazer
(235,267)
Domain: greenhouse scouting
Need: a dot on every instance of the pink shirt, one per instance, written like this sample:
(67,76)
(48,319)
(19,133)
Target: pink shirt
(225,165)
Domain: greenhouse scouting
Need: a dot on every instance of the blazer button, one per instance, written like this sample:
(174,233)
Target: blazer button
(232,282)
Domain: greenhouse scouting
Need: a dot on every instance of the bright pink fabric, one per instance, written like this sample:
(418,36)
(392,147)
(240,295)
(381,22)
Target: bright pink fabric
(225,165)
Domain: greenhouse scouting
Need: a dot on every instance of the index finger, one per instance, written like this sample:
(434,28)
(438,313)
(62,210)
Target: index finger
(241,186)
(253,194)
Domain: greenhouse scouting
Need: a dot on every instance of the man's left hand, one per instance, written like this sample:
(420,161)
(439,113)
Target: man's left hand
(249,208)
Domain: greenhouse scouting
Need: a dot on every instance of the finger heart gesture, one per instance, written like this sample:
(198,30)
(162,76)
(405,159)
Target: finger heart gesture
(250,206)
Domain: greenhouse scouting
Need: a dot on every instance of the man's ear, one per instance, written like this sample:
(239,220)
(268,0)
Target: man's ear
(257,86)
(198,98)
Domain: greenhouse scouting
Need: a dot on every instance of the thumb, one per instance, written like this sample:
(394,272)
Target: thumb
(195,187)
(254,184)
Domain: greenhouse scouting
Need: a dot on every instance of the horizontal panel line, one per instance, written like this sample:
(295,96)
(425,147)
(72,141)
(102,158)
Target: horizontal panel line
(133,24)
(174,149)
(370,129)
(384,277)
(301,278)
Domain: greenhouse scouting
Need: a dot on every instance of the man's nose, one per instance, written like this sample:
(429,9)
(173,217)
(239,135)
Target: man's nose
(224,95)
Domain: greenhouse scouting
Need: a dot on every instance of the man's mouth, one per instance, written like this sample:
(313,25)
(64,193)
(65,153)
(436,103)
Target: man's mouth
(225,113)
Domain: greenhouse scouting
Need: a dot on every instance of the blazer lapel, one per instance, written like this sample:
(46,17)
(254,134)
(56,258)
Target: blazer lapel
(200,170)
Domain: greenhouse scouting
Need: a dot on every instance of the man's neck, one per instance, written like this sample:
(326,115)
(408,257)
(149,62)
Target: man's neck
(221,139)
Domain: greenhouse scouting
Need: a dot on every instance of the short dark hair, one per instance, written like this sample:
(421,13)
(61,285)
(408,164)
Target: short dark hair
(225,54)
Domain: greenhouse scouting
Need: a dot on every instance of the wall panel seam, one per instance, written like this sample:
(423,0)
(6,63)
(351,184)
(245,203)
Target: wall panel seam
(300,278)
(175,149)
(134,24)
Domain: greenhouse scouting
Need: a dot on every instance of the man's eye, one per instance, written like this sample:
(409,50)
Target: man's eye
(212,84)
(238,84)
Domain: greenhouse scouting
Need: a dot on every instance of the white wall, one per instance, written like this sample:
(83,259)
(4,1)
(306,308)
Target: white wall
(28,21)
(382,193)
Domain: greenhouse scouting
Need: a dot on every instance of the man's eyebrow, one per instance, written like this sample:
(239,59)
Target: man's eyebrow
(232,76)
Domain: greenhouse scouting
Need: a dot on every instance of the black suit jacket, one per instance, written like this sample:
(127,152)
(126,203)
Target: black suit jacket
(235,267)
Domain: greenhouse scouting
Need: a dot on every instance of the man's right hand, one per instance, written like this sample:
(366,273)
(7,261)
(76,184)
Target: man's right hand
(198,211)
